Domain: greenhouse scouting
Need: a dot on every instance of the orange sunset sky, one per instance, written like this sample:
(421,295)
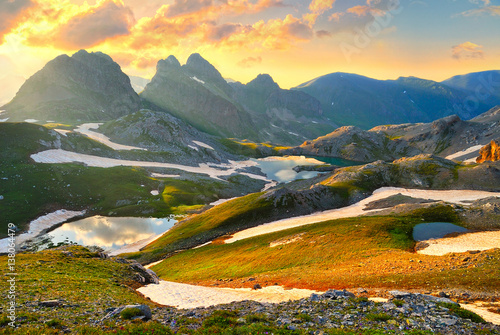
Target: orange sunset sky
(294,41)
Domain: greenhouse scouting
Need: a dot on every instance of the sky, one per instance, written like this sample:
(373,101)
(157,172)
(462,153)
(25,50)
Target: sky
(293,41)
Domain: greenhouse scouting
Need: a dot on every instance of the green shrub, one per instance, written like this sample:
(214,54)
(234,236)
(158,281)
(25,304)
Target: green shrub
(398,302)
(129,313)
(221,319)
(378,316)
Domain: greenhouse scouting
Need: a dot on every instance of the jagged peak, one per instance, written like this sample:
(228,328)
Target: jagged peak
(169,63)
(84,55)
(201,66)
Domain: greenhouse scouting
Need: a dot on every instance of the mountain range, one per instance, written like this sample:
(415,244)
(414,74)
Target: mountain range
(350,99)
(92,87)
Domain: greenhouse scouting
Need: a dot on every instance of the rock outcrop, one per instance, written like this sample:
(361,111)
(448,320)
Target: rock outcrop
(490,152)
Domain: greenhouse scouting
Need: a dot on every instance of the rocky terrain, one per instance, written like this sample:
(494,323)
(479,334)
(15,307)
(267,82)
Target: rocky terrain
(162,132)
(113,307)
(445,137)
(83,87)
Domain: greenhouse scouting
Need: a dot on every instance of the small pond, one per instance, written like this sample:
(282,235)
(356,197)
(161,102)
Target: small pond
(109,233)
(426,231)
(281,170)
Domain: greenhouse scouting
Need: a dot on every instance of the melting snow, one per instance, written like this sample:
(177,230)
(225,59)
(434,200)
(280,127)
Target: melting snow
(85,130)
(204,145)
(4,120)
(30,120)
(466,152)
(198,80)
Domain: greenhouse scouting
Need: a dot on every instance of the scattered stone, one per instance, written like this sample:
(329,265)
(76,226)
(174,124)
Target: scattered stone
(50,303)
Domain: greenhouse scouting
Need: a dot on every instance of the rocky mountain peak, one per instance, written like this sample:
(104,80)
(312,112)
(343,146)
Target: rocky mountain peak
(199,66)
(167,65)
(490,152)
(85,86)
(263,82)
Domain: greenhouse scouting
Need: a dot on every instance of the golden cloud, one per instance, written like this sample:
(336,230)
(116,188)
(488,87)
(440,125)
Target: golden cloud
(88,27)
(467,50)
(13,13)
(250,62)
(489,10)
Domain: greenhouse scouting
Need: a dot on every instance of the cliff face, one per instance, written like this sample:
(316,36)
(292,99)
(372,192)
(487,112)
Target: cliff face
(490,152)
(85,87)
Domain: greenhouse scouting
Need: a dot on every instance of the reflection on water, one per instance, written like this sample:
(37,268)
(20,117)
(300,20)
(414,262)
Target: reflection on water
(426,231)
(281,168)
(110,233)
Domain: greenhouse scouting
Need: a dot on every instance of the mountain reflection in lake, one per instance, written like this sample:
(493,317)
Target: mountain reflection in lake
(281,170)
(110,233)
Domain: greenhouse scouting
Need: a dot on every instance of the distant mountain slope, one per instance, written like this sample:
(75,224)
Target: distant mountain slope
(83,87)
(481,86)
(350,99)
(442,137)
(259,111)
(138,83)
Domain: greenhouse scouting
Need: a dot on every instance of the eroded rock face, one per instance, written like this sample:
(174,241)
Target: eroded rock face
(490,152)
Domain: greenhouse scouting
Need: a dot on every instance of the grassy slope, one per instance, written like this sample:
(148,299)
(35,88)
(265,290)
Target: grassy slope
(78,277)
(338,189)
(358,252)
(31,189)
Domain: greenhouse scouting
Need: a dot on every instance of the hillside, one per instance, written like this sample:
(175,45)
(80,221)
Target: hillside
(337,189)
(350,99)
(83,87)
(30,190)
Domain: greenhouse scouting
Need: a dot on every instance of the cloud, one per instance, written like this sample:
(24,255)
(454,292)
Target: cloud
(182,7)
(217,33)
(323,33)
(12,12)
(96,26)
(320,6)
(250,62)
(467,50)
(358,17)
(88,27)
(481,2)
(489,10)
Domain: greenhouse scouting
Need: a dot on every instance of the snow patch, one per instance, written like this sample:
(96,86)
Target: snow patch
(198,80)
(192,296)
(155,192)
(85,129)
(30,120)
(54,156)
(204,145)
(4,120)
(465,152)
(460,197)
(193,147)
